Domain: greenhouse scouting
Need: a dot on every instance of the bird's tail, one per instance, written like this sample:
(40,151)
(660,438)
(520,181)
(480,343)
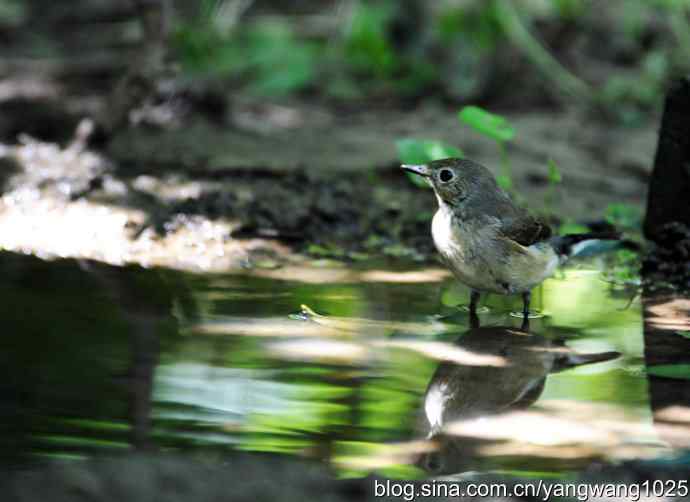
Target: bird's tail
(567,246)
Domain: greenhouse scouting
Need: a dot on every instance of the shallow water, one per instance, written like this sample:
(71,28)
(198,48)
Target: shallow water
(380,371)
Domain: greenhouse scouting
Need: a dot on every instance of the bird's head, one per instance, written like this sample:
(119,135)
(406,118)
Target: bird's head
(457,182)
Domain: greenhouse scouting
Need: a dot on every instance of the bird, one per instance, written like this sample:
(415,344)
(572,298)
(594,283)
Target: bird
(490,243)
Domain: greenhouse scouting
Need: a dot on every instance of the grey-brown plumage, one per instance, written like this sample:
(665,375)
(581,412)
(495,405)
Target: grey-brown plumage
(490,243)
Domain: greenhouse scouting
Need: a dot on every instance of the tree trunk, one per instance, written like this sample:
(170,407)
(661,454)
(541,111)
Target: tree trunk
(669,188)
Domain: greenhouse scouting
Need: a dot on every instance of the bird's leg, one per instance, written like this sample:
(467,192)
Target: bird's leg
(474,320)
(474,300)
(526,297)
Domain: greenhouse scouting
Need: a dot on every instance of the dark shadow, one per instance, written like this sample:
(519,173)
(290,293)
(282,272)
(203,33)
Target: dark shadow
(80,343)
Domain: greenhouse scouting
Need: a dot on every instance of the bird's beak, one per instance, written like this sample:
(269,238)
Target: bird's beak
(419,169)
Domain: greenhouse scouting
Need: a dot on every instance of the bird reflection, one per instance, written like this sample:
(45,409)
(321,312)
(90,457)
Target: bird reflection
(458,392)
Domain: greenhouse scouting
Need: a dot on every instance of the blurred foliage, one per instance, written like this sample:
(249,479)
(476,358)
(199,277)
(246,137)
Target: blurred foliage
(464,50)
(267,54)
(554,175)
(367,46)
(369,52)
(572,228)
(624,216)
(12,12)
(625,268)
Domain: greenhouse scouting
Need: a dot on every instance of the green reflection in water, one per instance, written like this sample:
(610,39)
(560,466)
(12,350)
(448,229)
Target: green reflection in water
(239,374)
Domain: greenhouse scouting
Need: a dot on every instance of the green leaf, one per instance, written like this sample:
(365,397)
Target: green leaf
(684,334)
(572,228)
(504,181)
(486,123)
(554,175)
(624,215)
(422,151)
(680,371)
(367,47)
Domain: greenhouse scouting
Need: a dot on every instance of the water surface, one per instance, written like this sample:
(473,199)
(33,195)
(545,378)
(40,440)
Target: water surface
(366,368)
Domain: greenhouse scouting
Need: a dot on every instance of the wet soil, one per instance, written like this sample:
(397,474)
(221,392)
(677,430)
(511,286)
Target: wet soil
(278,179)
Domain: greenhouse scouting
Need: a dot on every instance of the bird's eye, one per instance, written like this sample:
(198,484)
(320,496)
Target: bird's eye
(445,175)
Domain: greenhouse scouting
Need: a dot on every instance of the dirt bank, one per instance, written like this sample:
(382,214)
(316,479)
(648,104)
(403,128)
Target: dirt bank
(281,179)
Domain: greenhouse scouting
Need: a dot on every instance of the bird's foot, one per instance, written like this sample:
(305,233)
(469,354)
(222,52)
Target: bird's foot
(474,307)
(530,314)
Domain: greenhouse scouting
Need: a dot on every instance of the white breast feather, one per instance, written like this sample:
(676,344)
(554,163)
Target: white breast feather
(442,233)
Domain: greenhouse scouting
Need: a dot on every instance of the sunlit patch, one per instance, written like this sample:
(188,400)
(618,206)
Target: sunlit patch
(680,414)
(366,457)
(267,326)
(320,350)
(420,276)
(670,314)
(446,352)
(530,427)
(308,275)
(47,216)
(564,429)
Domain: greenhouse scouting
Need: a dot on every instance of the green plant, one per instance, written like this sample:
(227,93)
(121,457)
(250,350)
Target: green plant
(266,53)
(421,151)
(624,216)
(570,227)
(372,58)
(367,47)
(278,61)
(625,268)
(495,127)
(476,22)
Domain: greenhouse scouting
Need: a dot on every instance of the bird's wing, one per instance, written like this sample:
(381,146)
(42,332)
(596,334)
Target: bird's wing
(525,229)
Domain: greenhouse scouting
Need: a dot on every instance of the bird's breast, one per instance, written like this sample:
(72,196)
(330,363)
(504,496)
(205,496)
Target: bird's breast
(442,232)
(459,247)
(483,260)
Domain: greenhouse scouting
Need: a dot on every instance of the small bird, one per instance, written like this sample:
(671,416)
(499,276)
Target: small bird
(490,243)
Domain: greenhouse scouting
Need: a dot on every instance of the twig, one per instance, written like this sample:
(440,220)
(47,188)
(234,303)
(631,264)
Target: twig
(519,35)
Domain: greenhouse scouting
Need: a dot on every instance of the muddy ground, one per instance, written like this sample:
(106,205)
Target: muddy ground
(265,182)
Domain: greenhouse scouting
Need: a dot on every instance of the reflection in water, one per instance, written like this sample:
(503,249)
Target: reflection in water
(460,393)
(97,359)
(79,348)
(667,356)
